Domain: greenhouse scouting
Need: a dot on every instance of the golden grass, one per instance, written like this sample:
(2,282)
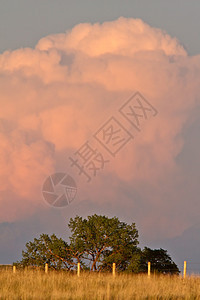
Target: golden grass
(62,285)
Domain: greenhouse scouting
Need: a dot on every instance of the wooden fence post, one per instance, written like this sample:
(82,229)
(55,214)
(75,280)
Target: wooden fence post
(185,269)
(149,269)
(14,269)
(78,269)
(46,268)
(113,269)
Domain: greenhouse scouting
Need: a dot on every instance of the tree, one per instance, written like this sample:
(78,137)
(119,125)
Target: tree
(160,261)
(97,242)
(52,250)
(101,241)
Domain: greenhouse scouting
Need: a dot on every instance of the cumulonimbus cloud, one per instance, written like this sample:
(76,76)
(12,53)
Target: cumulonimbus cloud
(53,96)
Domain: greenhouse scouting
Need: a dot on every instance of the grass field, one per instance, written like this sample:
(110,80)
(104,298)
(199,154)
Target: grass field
(61,285)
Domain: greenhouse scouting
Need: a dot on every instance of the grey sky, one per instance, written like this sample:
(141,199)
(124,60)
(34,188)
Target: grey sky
(24,22)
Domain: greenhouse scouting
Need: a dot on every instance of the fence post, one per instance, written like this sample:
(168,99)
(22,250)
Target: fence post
(149,269)
(14,269)
(78,269)
(113,269)
(46,268)
(185,269)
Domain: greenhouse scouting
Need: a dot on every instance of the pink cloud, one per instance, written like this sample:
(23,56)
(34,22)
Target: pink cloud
(55,96)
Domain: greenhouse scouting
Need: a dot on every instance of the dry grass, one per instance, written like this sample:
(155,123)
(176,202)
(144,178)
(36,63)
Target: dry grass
(61,285)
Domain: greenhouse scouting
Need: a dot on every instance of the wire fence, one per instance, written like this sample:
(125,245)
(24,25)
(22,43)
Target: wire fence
(188,268)
(6,267)
(192,267)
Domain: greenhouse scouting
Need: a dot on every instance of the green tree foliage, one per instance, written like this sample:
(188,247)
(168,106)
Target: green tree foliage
(160,261)
(102,241)
(97,242)
(47,249)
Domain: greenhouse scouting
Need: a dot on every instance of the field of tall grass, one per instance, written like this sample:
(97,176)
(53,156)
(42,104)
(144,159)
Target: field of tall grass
(62,285)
